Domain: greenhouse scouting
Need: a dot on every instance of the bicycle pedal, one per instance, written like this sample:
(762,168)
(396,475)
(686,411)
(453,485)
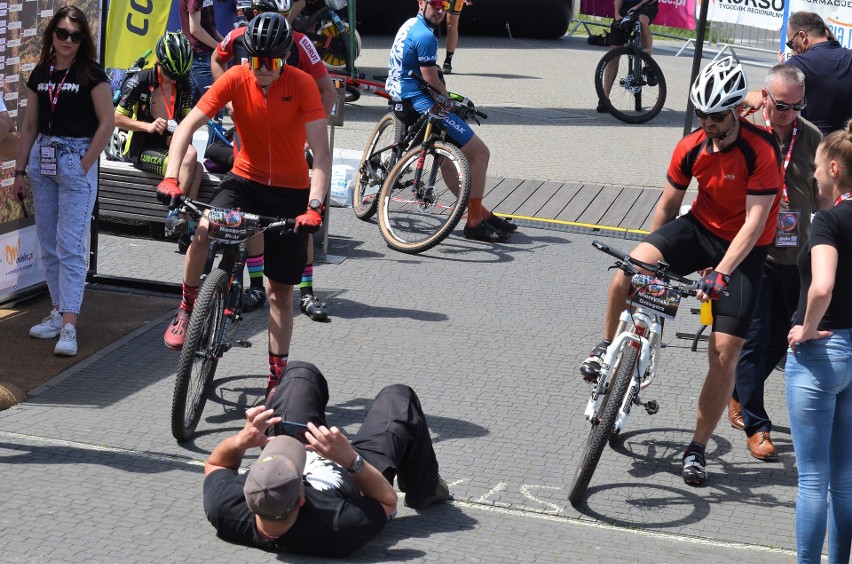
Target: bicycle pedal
(243,344)
(651,407)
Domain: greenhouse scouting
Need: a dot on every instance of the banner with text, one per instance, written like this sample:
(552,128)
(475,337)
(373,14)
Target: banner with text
(837,16)
(132,27)
(673,13)
(764,14)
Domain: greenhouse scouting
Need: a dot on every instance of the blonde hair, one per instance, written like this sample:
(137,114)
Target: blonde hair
(837,146)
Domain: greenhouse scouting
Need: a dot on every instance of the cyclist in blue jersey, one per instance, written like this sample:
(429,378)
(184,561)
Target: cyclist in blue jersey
(416,49)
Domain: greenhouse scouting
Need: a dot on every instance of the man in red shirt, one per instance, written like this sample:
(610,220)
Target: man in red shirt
(725,236)
(277,109)
(305,57)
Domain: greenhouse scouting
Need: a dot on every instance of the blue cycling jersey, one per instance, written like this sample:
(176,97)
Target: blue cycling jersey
(415,45)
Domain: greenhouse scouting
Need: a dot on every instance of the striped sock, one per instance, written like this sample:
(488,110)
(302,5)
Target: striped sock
(255,270)
(306,286)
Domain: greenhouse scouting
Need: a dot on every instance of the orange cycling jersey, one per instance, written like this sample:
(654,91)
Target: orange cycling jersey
(271,126)
(750,166)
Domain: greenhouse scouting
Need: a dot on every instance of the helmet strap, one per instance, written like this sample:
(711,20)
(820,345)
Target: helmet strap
(732,126)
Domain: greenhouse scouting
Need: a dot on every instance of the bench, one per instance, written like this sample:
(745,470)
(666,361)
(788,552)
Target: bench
(125,192)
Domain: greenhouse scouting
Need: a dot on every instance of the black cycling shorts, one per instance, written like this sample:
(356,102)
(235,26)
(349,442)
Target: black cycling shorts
(285,253)
(617,36)
(688,247)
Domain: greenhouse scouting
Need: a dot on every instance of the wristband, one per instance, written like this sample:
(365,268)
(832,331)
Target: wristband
(20,173)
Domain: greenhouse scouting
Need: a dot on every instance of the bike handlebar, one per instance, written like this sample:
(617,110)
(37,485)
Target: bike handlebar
(265,222)
(628,264)
(447,100)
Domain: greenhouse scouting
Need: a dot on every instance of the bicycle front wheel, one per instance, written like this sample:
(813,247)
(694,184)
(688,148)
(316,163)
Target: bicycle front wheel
(374,167)
(603,424)
(422,200)
(638,89)
(199,355)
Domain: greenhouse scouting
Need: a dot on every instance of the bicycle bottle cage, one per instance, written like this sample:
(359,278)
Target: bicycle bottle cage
(231,226)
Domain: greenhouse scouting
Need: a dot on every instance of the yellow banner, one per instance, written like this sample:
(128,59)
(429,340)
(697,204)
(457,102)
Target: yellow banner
(132,27)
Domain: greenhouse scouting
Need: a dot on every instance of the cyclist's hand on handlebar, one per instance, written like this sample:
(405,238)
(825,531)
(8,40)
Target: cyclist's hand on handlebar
(713,285)
(308,222)
(168,190)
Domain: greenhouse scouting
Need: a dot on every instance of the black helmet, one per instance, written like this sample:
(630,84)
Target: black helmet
(282,6)
(174,54)
(268,35)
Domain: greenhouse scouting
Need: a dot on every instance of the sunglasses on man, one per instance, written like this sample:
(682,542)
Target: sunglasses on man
(439,5)
(783,107)
(789,43)
(717,117)
(271,63)
(63,34)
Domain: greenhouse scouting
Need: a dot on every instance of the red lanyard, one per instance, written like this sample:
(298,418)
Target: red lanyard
(170,105)
(53,96)
(787,158)
(843,197)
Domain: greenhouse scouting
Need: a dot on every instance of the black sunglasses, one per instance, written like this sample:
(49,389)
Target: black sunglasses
(782,107)
(62,34)
(789,43)
(717,117)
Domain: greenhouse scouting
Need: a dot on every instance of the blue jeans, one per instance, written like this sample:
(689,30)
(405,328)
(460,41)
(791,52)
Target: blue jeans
(63,213)
(200,76)
(819,401)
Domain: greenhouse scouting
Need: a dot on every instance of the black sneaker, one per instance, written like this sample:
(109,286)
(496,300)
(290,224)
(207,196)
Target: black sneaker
(501,224)
(440,495)
(485,232)
(184,241)
(447,68)
(591,367)
(601,109)
(313,308)
(650,76)
(253,298)
(694,472)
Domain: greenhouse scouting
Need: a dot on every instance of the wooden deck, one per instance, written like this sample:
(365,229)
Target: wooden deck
(583,206)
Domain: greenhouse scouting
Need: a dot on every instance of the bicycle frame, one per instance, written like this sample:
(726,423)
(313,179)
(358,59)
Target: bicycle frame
(644,335)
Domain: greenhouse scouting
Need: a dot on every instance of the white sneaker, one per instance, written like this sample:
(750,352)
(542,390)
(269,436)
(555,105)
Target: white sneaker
(49,327)
(67,345)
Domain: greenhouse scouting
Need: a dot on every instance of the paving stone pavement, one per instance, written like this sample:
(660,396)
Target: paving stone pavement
(488,335)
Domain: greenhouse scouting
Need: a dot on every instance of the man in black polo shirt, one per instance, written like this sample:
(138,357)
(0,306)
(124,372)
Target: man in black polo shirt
(828,71)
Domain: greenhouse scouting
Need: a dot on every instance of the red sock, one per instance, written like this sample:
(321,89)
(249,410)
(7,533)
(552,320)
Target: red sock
(474,212)
(189,295)
(277,364)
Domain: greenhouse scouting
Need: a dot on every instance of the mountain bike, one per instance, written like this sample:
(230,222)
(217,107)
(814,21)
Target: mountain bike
(328,32)
(632,360)
(218,308)
(425,188)
(639,88)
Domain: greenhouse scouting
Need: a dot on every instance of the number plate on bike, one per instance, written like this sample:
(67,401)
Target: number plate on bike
(230,226)
(654,294)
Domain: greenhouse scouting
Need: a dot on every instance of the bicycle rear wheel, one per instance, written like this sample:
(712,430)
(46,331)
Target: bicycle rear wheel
(333,46)
(374,168)
(417,208)
(632,99)
(199,355)
(603,424)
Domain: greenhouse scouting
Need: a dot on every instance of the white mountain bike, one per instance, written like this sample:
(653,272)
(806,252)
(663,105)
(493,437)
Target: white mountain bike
(632,360)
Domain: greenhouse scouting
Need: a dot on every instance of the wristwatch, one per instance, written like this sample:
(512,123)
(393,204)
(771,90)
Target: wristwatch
(315,205)
(357,464)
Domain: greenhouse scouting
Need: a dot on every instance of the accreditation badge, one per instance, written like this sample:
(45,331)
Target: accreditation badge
(787,229)
(47,160)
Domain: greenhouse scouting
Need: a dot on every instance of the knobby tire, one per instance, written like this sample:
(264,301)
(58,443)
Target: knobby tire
(369,177)
(198,357)
(633,116)
(404,226)
(602,429)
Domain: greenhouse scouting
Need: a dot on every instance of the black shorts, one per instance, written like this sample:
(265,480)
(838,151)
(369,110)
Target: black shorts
(285,254)
(688,247)
(617,36)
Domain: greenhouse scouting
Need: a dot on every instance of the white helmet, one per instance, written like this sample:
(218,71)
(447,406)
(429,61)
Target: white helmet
(272,6)
(721,85)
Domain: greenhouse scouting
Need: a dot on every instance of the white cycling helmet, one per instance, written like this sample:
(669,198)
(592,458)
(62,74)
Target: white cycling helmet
(720,86)
(282,6)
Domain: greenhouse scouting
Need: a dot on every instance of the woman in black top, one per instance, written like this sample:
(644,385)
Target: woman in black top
(68,121)
(819,363)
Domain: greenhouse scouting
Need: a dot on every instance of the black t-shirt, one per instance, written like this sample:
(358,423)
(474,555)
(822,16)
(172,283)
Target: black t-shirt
(74,115)
(336,519)
(135,101)
(830,227)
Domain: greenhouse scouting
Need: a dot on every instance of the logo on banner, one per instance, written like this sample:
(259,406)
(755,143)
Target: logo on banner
(18,260)
(842,31)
